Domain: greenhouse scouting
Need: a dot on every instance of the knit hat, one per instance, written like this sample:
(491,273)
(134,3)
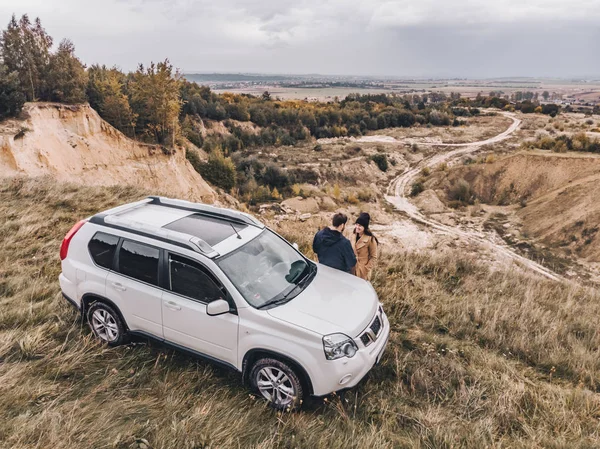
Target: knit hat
(363,220)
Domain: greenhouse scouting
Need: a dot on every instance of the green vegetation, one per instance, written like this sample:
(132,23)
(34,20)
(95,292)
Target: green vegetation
(563,143)
(381,161)
(218,170)
(459,193)
(416,188)
(476,358)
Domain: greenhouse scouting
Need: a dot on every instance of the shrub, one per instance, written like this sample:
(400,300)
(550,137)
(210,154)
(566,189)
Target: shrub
(318,147)
(219,170)
(442,167)
(365,195)
(352,199)
(490,159)
(381,161)
(416,188)
(194,158)
(461,191)
(438,118)
(353,150)
(275,176)
(425,171)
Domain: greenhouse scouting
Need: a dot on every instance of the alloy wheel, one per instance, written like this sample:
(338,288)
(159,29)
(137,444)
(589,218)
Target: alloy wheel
(105,325)
(275,386)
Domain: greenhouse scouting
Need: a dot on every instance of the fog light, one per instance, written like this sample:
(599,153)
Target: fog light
(345,379)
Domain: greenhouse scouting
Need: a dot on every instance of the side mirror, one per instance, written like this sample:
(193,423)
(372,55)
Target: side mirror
(296,247)
(218,307)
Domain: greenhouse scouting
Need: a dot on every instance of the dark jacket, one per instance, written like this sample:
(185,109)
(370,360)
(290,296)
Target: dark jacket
(334,250)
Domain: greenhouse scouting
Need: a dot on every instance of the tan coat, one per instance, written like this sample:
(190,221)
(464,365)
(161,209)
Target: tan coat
(365,250)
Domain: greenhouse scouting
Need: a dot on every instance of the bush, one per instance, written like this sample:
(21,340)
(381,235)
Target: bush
(416,188)
(438,118)
(219,170)
(194,158)
(381,161)
(425,171)
(461,191)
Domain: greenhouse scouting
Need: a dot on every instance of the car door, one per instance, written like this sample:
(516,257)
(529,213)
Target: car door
(185,322)
(133,286)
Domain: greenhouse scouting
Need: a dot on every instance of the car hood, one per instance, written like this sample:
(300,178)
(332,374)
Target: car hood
(333,302)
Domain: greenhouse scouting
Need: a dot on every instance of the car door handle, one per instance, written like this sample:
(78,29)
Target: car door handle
(119,286)
(172,305)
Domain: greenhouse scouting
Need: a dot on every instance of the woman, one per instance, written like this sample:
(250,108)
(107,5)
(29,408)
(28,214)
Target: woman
(365,246)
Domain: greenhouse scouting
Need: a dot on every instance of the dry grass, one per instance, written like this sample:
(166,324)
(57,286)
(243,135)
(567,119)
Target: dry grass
(476,359)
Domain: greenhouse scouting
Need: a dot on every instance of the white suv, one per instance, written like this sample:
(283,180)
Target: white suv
(219,284)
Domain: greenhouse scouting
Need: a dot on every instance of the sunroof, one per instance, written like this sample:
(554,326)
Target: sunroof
(211,230)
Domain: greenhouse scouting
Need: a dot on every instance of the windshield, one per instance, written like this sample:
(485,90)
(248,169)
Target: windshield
(266,270)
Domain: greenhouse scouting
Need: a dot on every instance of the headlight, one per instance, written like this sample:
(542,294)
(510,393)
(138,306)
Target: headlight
(337,346)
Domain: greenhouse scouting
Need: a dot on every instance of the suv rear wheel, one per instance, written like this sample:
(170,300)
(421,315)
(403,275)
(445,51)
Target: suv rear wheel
(276,382)
(106,324)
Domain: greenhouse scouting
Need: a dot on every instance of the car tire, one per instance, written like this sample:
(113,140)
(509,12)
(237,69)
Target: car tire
(106,324)
(277,383)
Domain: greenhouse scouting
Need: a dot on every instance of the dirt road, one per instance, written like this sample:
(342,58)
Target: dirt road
(399,187)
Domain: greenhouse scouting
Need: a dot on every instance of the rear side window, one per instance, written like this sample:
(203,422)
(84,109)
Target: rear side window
(139,261)
(102,249)
(190,279)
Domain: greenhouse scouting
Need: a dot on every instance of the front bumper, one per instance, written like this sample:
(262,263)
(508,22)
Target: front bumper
(346,372)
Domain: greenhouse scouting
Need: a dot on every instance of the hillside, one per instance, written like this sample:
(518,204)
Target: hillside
(476,358)
(556,195)
(72,143)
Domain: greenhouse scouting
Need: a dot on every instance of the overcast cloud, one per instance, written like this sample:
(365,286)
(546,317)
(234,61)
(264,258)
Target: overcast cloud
(465,38)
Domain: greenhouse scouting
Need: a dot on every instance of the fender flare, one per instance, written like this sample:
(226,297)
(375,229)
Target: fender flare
(253,354)
(89,298)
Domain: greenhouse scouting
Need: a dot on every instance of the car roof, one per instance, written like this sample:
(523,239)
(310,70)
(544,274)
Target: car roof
(209,230)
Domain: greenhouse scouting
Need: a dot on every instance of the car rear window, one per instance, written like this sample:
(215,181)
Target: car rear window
(139,261)
(102,249)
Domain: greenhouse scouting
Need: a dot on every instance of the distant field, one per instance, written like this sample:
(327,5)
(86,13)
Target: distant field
(588,90)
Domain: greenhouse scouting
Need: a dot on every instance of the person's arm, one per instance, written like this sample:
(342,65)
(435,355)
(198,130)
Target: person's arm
(349,256)
(373,248)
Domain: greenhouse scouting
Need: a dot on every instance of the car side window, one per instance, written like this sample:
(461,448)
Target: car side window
(189,278)
(139,261)
(102,249)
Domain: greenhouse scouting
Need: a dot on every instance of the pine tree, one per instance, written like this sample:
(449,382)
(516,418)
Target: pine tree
(66,79)
(11,96)
(25,49)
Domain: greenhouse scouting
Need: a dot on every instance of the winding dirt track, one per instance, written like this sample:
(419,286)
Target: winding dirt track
(398,190)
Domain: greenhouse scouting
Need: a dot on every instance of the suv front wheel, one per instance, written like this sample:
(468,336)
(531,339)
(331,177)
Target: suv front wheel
(276,382)
(106,324)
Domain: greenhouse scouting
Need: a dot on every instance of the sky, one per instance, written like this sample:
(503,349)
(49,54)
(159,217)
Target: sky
(416,38)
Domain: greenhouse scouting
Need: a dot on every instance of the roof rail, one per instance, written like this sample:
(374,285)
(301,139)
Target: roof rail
(166,235)
(204,209)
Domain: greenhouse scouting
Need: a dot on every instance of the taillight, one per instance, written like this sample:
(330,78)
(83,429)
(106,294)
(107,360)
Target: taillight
(64,247)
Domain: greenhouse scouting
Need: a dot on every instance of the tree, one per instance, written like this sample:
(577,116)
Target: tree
(219,170)
(154,98)
(66,79)
(25,49)
(545,95)
(106,94)
(11,96)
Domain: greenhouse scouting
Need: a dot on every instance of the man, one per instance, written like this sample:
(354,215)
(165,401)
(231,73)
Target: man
(332,248)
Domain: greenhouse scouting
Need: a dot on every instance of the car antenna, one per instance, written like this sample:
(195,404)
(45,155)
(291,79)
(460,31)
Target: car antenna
(235,230)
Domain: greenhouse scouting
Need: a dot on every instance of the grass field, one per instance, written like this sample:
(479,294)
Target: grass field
(476,358)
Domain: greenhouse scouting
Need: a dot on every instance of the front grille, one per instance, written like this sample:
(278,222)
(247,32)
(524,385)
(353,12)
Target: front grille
(371,334)
(376,326)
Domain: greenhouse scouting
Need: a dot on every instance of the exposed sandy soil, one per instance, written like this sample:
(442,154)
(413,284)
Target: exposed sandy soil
(72,143)
(549,201)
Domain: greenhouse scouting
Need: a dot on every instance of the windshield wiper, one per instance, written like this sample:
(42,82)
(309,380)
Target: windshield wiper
(281,299)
